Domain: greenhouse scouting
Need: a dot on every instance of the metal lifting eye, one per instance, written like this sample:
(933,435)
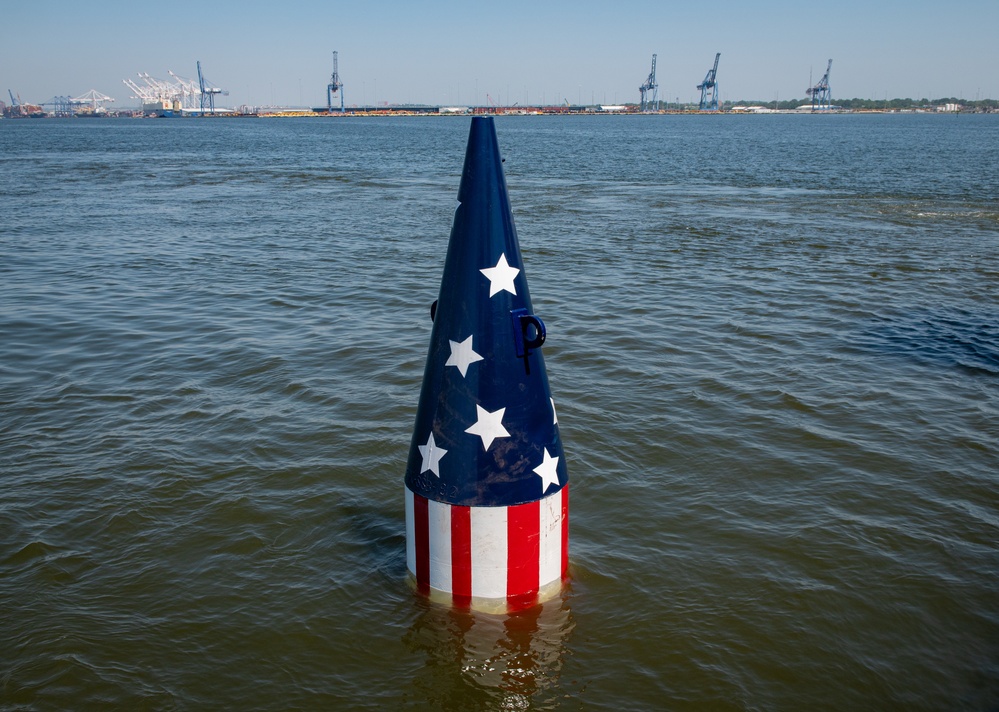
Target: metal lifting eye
(528,333)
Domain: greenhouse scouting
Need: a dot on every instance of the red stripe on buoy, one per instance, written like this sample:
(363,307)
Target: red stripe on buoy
(422,532)
(523,552)
(461,556)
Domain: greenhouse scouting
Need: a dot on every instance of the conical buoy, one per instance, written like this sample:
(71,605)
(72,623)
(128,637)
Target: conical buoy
(487,494)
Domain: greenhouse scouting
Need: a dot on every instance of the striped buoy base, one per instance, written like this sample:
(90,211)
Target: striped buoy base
(488,558)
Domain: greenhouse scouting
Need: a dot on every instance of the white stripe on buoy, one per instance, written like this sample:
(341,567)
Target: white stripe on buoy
(504,554)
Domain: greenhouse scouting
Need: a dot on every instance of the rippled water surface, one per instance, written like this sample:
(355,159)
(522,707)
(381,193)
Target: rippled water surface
(773,342)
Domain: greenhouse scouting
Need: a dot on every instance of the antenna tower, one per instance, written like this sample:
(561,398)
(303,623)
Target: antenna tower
(334,87)
(650,90)
(709,88)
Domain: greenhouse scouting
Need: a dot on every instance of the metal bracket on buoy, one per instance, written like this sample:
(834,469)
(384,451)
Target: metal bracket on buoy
(523,325)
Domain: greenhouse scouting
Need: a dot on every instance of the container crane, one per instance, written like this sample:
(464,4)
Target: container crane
(334,87)
(62,106)
(820,92)
(157,96)
(94,100)
(208,92)
(710,84)
(650,88)
(188,91)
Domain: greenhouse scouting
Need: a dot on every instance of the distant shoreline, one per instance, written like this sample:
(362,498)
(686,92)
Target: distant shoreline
(369,112)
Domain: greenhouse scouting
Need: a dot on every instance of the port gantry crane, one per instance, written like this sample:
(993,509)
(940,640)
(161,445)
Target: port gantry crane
(95,100)
(208,92)
(334,87)
(650,103)
(62,106)
(820,92)
(710,84)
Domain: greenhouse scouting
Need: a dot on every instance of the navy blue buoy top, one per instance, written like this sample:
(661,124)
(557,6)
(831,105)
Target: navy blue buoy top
(486,431)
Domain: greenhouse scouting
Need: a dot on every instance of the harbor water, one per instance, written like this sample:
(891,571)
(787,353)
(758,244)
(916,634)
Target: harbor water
(773,346)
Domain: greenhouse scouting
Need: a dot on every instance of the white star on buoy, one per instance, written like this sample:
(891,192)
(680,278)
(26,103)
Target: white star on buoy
(432,456)
(501,276)
(462,355)
(489,426)
(547,471)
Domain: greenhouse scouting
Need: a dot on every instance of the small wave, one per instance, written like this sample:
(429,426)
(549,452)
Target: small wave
(958,337)
(29,552)
(921,212)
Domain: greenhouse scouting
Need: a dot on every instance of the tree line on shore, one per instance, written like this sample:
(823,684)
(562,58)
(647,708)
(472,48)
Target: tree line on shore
(881,104)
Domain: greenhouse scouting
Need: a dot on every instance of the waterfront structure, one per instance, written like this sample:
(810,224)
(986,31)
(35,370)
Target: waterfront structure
(169,98)
(820,93)
(650,91)
(709,88)
(334,87)
(207,92)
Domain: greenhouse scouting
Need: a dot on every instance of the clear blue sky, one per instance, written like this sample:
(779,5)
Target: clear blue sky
(513,51)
